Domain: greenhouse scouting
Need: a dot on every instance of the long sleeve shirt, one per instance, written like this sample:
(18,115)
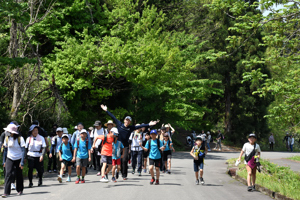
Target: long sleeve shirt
(124,132)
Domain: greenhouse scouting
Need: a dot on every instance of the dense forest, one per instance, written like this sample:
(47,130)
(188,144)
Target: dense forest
(219,64)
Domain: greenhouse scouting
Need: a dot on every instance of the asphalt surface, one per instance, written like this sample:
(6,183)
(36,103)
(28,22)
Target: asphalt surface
(180,184)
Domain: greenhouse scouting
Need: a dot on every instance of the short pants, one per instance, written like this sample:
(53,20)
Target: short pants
(106,159)
(81,162)
(116,162)
(198,166)
(156,162)
(145,154)
(167,155)
(67,163)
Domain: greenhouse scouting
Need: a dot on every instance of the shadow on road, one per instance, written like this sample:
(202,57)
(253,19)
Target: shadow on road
(172,184)
(211,185)
(117,185)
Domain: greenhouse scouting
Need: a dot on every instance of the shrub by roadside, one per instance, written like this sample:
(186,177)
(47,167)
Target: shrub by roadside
(296,158)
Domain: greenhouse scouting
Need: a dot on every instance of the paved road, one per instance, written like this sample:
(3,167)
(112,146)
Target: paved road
(179,185)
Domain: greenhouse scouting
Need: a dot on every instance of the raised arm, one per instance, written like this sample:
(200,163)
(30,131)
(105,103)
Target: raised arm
(104,107)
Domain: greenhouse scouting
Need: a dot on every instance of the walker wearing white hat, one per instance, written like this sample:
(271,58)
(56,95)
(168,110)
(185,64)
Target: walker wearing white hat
(110,122)
(12,128)
(65,131)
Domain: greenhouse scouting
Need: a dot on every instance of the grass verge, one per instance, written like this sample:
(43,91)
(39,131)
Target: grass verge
(276,178)
(296,158)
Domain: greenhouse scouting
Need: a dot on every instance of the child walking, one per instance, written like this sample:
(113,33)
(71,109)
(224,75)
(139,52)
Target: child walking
(198,152)
(251,150)
(82,154)
(167,153)
(116,157)
(154,146)
(65,156)
(145,153)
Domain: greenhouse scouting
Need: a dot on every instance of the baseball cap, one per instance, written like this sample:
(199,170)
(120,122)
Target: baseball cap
(252,135)
(153,131)
(59,129)
(199,138)
(83,131)
(166,135)
(115,131)
(128,117)
(65,135)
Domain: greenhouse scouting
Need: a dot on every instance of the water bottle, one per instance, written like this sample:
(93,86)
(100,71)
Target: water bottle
(237,162)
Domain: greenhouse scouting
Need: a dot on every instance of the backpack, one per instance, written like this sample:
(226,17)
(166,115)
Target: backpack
(71,147)
(19,140)
(158,145)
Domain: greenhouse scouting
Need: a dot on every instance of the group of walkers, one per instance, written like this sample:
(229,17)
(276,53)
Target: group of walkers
(288,140)
(106,149)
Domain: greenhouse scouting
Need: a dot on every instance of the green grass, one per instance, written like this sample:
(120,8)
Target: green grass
(296,158)
(276,178)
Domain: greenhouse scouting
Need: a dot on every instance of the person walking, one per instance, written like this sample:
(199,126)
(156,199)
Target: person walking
(13,159)
(35,146)
(136,151)
(98,130)
(291,142)
(271,141)
(125,129)
(208,141)
(286,141)
(219,140)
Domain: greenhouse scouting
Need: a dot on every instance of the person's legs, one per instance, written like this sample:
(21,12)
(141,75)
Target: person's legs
(125,163)
(103,168)
(58,162)
(94,157)
(220,144)
(151,171)
(19,176)
(197,175)
(134,155)
(249,171)
(62,169)
(208,146)
(291,147)
(54,161)
(113,170)
(108,169)
(98,164)
(9,168)
(196,170)
(69,170)
(253,176)
(30,169)
(169,164)
(83,169)
(49,162)
(201,173)
(157,173)
(145,163)
(39,168)
(140,161)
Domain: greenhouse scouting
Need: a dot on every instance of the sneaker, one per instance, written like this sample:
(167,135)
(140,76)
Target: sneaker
(77,180)
(197,182)
(249,188)
(169,172)
(220,149)
(12,186)
(157,182)
(253,188)
(4,195)
(82,181)
(133,171)
(59,179)
(202,181)
(140,174)
(64,175)
(20,193)
(145,170)
(124,178)
(68,179)
(113,179)
(129,162)
(152,181)
(99,174)
(163,171)
(117,175)
(30,185)
(40,182)
(50,171)
(104,179)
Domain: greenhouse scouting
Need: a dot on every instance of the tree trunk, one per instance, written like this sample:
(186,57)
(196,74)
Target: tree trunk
(227,104)
(13,53)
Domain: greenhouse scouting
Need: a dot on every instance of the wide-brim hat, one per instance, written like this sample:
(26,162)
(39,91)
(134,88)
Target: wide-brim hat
(110,122)
(12,128)
(65,131)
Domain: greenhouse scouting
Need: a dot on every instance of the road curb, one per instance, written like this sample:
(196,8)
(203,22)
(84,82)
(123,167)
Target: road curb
(275,195)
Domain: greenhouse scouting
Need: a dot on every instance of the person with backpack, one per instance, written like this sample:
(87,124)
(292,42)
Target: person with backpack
(154,146)
(136,151)
(35,146)
(13,159)
(98,130)
(82,155)
(2,137)
(252,154)
(76,135)
(125,129)
(56,142)
(220,137)
(291,142)
(106,152)
(117,154)
(65,156)
(167,155)
(199,152)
